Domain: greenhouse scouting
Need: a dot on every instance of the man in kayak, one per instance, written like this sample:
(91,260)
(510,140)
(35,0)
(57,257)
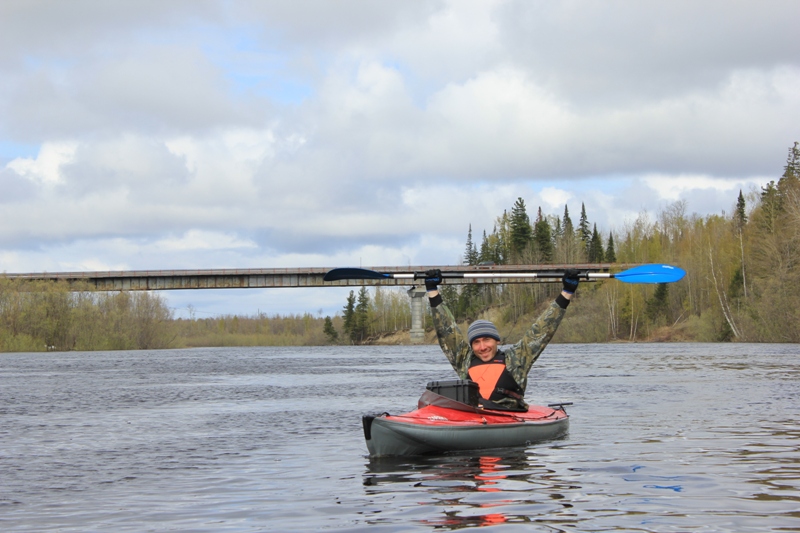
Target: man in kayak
(501,375)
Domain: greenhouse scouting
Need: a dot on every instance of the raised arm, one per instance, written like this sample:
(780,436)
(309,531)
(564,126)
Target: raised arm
(452,341)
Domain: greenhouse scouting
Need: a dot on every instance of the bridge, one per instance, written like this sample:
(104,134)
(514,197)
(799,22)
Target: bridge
(268,278)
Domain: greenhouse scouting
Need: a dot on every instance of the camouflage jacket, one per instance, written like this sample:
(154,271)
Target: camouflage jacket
(519,357)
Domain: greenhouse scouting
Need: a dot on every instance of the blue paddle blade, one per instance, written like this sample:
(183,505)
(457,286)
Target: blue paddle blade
(353,273)
(651,274)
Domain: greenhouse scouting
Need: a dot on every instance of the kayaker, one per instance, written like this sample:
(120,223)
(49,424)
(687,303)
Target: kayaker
(501,374)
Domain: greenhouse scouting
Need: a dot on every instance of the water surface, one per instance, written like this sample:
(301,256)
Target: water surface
(663,437)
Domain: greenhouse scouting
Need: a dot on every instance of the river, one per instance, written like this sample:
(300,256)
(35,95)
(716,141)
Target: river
(663,438)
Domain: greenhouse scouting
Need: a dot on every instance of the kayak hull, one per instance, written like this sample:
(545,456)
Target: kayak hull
(436,429)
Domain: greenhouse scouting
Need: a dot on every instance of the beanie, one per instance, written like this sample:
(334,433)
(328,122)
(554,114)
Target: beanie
(482,328)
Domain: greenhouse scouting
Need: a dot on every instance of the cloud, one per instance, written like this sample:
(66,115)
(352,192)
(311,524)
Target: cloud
(214,134)
(46,168)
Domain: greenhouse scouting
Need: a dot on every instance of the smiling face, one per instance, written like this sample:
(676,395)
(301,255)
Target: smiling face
(485,348)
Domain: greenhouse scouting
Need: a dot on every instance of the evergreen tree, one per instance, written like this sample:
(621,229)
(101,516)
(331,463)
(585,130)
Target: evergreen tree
(584,233)
(330,331)
(595,247)
(349,316)
(740,217)
(658,305)
(520,226)
(567,222)
(361,316)
(471,252)
(611,254)
(770,206)
(792,168)
(558,231)
(543,238)
(789,184)
(486,250)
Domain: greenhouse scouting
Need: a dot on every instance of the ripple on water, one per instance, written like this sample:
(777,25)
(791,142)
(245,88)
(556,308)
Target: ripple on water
(662,438)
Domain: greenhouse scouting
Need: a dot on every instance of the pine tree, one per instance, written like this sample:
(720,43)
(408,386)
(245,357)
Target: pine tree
(658,305)
(595,247)
(792,168)
(611,254)
(770,206)
(361,316)
(740,218)
(471,252)
(543,238)
(789,184)
(330,331)
(558,231)
(485,254)
(584,233)
(567,222)
(520,225)
(349,316)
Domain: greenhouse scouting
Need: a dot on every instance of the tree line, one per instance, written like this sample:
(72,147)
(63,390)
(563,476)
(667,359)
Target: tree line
(43,315)
(39,316)
(742,270)
(742,284)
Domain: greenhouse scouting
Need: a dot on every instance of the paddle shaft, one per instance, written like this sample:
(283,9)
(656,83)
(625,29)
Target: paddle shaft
(497,275)
(639,274)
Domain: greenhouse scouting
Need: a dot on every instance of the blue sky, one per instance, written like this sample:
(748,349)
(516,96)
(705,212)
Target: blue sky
(219,134)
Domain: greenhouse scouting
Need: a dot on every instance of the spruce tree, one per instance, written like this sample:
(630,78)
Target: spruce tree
(566,222)
(595,247)
(792,168)
(471,252)
(330,331)
(584,233)
(486,250)
(361,316)
(789,184)
(349,315)
(740,218)
(558,231)
(543,238)
(770,206)
(520,225)
(611,254)
(658,305)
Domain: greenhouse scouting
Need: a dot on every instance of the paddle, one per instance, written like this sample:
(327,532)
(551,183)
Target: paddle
(639,274)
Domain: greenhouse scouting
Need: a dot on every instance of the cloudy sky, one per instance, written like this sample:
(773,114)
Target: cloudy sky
(236,134)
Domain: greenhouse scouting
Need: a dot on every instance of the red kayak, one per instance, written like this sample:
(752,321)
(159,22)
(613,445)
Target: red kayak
(443,423)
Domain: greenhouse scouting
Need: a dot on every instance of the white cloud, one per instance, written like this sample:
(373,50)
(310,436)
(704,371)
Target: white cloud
(201,240)
(555,198)
(45,169)
(670,187)
(213,134)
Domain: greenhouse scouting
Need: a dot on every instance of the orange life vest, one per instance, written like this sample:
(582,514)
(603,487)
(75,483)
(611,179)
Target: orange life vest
(494,380)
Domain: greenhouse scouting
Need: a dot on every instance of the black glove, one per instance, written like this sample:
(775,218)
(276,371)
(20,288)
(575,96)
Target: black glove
(433,278)
(570,280)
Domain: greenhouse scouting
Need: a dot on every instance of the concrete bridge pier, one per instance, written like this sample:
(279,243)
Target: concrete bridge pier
(418,302)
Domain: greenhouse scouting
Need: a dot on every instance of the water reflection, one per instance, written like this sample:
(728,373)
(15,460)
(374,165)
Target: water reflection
(472,490)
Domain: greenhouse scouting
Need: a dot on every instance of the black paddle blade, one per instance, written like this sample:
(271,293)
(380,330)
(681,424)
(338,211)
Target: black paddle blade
(353,273)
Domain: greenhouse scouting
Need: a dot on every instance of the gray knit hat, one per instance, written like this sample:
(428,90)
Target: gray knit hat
(482,328)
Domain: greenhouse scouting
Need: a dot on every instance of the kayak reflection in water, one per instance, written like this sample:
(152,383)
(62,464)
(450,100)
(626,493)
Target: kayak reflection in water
(501,374)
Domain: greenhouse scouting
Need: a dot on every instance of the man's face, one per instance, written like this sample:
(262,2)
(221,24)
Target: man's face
(485,348)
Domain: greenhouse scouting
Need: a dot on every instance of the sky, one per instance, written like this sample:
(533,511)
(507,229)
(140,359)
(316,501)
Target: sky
(246,134)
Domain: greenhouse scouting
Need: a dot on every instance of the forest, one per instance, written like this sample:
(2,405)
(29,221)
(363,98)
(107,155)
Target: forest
(742,285)
(742,282)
